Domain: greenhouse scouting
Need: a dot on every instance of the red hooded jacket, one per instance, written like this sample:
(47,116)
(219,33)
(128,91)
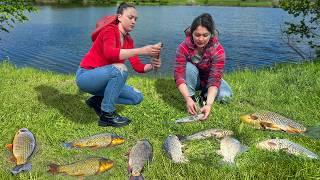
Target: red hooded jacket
(106,46)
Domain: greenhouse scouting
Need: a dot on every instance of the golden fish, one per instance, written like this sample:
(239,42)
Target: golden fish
(273,121)
(87,167)
(22,148)
(96,141)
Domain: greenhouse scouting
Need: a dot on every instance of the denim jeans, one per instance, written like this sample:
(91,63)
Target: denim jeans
(193,84)
(109,82)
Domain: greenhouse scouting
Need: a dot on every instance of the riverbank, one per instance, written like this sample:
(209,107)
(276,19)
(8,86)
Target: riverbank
(51,106)
(240,3)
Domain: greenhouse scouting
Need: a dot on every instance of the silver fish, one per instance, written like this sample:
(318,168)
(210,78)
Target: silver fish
(23,146)
(230,148)
(287,146)
(140,154)
(216,133)
(189,119)
(173,148)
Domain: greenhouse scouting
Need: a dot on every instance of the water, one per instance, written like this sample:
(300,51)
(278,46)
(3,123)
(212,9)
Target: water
(56,39)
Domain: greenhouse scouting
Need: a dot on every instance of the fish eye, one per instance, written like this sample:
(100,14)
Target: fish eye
(23,130)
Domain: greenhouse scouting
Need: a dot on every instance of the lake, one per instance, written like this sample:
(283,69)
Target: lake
(56,39)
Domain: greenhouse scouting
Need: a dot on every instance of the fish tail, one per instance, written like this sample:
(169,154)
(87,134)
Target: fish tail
(53,168)
(68,145)
(136,177)
(19,168)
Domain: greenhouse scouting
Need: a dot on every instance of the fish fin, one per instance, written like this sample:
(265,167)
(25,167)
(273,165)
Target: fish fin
(94,147)
(184,160)
(19,168)
(13,159)
(243,148)
(136,177)
(293,130)
(68,145)
(53,168)
(266,125)
(127,155)
(9,147)
(272,144)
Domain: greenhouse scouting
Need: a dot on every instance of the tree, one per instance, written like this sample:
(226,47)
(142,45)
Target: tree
(12,11)
(306,24)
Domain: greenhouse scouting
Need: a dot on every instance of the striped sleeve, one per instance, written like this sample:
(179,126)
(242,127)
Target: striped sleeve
(217,66)
(180,64)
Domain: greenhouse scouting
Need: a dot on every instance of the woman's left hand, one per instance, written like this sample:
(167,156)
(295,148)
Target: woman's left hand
(206,110)
(156,63)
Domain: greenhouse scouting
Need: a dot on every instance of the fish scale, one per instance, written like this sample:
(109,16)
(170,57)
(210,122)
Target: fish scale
(287,146)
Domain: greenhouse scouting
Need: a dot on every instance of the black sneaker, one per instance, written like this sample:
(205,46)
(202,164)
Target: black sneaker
(112,119)
(95,103)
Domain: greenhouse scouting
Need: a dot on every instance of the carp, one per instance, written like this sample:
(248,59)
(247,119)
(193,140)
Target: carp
(22,148)
(273,121)
(96,141)
(140,154)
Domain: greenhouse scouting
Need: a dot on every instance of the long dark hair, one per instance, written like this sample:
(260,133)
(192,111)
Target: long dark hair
(204,20)
(124,6)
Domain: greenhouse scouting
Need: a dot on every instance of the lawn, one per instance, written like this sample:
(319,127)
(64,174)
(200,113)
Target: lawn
(51,106)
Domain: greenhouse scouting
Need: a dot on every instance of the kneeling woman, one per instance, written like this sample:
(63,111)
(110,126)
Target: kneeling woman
(102,71)
(199,64)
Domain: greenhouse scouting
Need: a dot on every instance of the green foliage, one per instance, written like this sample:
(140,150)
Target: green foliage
(307,20)
(12,11)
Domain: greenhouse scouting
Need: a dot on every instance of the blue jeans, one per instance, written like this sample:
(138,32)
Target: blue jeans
(109,82)
(193,84)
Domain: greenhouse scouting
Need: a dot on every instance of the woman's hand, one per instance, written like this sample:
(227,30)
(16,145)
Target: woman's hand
(156,63)
(151,50)
(191,106)
(206,110)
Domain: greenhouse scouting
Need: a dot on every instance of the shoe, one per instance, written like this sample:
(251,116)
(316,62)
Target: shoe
(112,119)
(95,103)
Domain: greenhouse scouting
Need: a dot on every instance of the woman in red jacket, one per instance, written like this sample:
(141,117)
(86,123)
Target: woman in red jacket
(102,71)
(199,64)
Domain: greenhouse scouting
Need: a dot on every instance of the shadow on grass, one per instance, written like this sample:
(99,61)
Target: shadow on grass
(170,94)
(69,105)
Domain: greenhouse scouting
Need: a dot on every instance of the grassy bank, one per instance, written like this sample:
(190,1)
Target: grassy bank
(51,106)
(246,3)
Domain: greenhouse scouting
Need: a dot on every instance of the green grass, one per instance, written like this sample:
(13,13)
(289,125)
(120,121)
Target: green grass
(51,106)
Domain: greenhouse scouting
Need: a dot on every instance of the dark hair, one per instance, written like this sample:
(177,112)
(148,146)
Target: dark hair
(204,20)
(124,6)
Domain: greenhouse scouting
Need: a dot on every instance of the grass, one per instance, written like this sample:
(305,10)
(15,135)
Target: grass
(51,106)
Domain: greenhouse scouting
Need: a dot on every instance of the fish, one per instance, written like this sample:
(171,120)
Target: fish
(173,148)
(287,146)
(273,121)
(230,148)
(96,141)
(216,133)
(23,146)
(88,167)
(189,119)
(140,154)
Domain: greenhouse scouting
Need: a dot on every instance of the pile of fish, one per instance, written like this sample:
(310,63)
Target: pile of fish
(229,147)
(24,145)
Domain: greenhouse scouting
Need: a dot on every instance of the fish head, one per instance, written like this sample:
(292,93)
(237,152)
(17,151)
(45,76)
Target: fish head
(105,164)
(252,119)
(116,140)
(267,144)
(24,132)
